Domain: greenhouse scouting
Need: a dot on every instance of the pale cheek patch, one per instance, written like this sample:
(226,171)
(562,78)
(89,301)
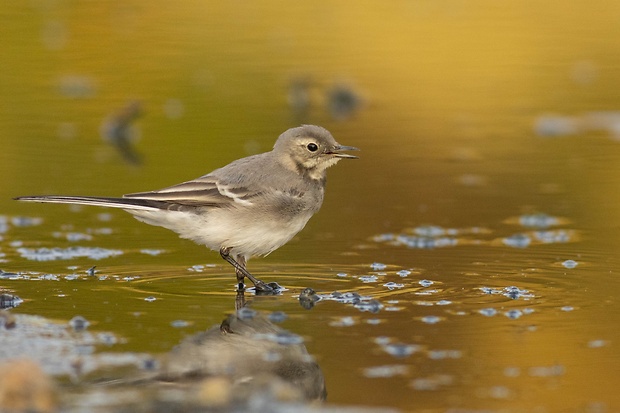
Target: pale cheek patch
(316,168)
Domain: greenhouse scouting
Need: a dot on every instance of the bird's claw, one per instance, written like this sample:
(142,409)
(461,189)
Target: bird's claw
(272,288)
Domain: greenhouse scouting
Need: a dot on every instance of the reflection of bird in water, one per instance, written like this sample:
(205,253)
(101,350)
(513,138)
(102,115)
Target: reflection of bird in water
(253,353)
(119,130)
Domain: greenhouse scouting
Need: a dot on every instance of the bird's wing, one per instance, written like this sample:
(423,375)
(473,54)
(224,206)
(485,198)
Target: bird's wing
(204,191)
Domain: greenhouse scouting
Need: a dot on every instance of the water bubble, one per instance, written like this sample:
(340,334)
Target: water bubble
(499,392)
(382,340)
(372,306)
(554,237)
(429,231)
(400,350)
(547,371)
(26,221)
(538,220)
(284,338)
(246,313)
(392,285)
(513,314)
(425,283)
(403,273)
(597,343)
(444,354)
(377,266)
(277,316)
(77,86)
(431,319)
(343,322)
(488,312)
(150,299)
(512,372)
(517,241)
(152,252)
(556,125)
(570,264)
(385,371)
(50,254)
(432,383)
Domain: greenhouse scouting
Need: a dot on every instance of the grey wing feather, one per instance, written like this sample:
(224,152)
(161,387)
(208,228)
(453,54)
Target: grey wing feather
(203,191)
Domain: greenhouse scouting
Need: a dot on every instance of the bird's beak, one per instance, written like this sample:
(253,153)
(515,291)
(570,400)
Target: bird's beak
(337,151)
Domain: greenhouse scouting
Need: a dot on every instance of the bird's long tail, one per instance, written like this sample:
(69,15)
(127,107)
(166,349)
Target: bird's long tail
(123,203)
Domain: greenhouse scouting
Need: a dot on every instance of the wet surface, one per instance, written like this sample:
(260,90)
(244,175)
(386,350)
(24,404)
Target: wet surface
(468,261)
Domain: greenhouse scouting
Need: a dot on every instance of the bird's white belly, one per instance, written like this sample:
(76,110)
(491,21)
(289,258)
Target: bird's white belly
(217,229)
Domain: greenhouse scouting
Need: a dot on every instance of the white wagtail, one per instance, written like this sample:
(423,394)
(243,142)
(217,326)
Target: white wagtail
(249,207)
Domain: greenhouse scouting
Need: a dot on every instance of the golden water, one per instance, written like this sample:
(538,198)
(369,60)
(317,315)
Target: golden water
(453,105)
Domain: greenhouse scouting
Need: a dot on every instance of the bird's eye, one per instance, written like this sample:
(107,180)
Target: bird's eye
(312,147)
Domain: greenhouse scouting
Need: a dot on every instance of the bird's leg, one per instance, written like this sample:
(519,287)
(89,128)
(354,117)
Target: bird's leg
(241,272)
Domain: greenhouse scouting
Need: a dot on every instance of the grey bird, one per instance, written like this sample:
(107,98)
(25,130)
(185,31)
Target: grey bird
(247,208)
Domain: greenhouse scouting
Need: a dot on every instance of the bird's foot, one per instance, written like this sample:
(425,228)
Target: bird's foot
(272,288)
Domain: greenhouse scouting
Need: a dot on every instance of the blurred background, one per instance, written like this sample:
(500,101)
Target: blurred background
(472,117)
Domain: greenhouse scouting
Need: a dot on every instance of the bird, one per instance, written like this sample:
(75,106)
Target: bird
(250,207)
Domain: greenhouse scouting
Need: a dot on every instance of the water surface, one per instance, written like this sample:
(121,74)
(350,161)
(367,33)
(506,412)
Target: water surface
(479,226)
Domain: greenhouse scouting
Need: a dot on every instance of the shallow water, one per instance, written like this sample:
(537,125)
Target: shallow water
(474,242)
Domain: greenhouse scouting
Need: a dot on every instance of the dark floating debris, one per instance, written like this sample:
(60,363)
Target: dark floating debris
(343,101)
(308,298)
(9,275)
(79,323)
(9,301)
(276,289)
(511,292)
(119,130)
